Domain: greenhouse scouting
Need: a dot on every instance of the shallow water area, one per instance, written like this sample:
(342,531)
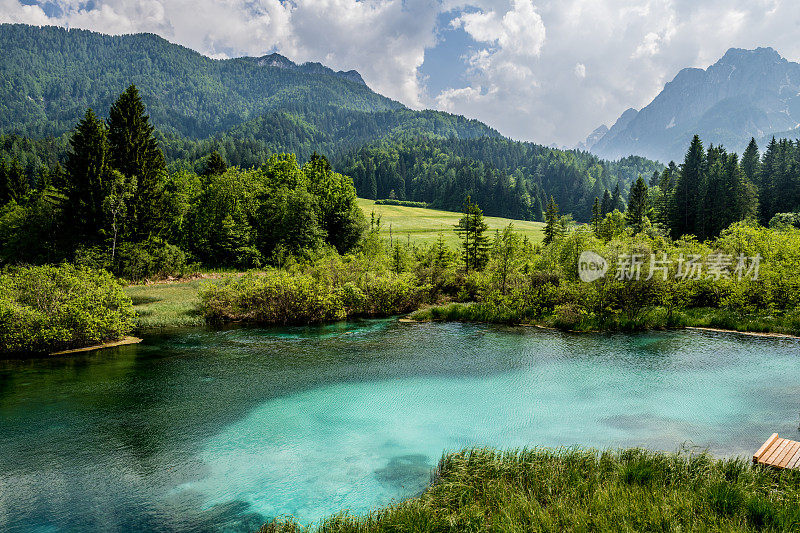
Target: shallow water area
(218,430)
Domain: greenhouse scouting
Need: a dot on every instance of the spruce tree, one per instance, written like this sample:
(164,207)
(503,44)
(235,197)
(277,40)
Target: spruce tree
(551,222)
(769,168)
(637,205)
(474,242)
(606,204)
(685,197)
(215,165)
(597,216)
(87,175)
(135,153)
(17,182)
(5,190)
(616,199)
(751,161)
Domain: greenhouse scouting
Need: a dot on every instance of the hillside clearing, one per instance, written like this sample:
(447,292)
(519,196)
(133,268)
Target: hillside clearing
(424,225)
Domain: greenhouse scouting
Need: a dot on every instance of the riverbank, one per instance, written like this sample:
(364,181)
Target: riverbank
(176,304)
(706,319)
(584,490)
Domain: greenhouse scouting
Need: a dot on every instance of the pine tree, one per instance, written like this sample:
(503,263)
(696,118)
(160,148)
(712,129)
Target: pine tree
(597,216)
(17,182)
(770,166)
(135,153)
(637,205)
(474,242)
(215,165)
(606,204)
(616,199)
(551,222)
(87,175)
(742,196)
(685,198)
(5,190)
(751,161)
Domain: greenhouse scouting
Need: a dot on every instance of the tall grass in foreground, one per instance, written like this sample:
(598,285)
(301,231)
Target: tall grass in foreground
(585,490)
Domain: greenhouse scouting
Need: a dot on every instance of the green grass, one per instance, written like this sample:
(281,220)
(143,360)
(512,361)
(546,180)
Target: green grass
(425,225)
(584,490)
(160,305)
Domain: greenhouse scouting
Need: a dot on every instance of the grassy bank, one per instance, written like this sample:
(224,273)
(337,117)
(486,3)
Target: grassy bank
(584,490)
(424,225)
(658,318)
(159,305)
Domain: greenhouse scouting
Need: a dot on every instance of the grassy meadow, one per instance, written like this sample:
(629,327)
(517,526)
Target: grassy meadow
(425,225)
(172,304)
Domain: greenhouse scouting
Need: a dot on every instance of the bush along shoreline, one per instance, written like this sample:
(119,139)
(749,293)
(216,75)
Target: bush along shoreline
(573,489)
(521,283)
(51,308)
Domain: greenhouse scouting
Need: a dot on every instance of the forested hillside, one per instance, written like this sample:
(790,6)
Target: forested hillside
(507,178)
(51,75)
(331,131)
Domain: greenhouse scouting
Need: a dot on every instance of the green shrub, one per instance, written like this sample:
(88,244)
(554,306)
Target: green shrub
(150,260)
(275,298)
(51,308)
(295,298)
(405,203)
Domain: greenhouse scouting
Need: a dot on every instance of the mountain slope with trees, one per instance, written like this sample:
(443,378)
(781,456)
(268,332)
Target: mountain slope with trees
(51,75)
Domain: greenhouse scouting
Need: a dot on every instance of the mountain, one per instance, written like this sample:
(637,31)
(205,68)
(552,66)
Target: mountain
(747,93)
(51,75)
(592,139)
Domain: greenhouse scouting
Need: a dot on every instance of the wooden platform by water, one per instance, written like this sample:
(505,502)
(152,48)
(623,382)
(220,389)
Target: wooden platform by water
(778,452)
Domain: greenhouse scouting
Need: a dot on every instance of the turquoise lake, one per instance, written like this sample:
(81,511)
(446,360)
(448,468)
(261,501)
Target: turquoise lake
(203,430)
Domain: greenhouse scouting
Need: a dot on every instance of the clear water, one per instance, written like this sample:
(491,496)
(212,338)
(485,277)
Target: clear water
(204,430)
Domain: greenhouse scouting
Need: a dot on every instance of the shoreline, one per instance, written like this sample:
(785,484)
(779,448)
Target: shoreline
(111,344)
(749,333)
(406,320)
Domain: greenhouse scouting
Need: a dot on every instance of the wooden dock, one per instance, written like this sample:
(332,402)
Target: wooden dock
(778,452)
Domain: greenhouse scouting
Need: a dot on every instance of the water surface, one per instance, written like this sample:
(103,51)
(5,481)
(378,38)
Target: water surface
(201,430)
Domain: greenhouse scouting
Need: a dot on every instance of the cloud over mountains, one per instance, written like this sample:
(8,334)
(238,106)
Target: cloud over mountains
(544,70)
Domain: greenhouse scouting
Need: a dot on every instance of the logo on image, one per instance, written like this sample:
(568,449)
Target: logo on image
(591,266)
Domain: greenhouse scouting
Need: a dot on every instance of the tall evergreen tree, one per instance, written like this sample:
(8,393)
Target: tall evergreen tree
(751,161)
(87,171)
(685,198)
(17,182)
(770,167)
(551,222)
(606,206)
(597,216)
(135,153)
(637,205)
(215,165)
(616,199)
(474,241)
(5,190)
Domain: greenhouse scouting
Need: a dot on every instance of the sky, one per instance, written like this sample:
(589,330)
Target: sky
(548,71)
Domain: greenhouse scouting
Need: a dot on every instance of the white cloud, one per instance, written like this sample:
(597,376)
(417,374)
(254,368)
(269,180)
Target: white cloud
(580,70)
